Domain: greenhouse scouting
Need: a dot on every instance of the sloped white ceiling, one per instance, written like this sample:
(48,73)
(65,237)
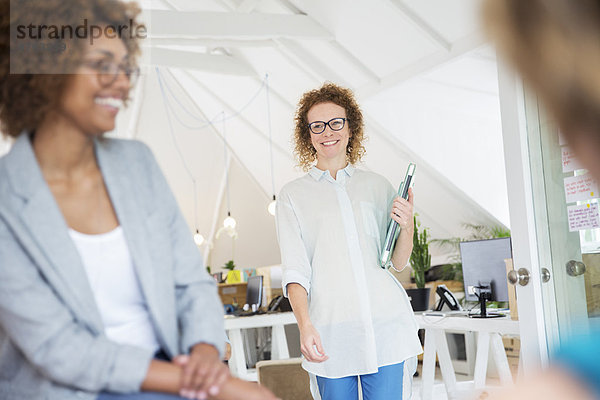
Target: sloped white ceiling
(427,87)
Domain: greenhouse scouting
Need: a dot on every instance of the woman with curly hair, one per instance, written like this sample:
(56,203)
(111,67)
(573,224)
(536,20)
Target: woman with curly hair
(355,320)
(103,294)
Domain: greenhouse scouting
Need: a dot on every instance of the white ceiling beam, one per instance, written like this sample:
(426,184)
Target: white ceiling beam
(221,64)
(233,25)
(348,54)
(247,6)
(170,5)
(421,25)
(207,42)
(355,60)
(307,61)
(427,63)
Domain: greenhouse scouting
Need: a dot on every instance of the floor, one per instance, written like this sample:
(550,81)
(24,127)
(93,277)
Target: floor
(464,383)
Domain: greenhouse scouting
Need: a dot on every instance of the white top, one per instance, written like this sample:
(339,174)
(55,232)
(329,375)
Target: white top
(330,234)
(117,292)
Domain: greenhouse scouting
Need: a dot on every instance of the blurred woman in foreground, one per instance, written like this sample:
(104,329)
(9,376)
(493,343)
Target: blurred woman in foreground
(101,285)
(555,45)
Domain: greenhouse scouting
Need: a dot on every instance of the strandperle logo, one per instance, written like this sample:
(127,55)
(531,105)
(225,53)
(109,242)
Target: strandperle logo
(82,31)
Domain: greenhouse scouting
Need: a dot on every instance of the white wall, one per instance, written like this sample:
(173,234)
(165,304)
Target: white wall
(256,244)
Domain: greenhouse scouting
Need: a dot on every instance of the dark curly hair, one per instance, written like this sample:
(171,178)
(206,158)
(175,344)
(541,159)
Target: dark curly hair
(328,93)
(32,80)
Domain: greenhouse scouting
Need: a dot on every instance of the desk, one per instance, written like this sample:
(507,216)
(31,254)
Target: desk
(279,350)
(489,331)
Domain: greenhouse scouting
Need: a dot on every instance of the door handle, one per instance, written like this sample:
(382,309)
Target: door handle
(545,275)
(575,268)
(521,276)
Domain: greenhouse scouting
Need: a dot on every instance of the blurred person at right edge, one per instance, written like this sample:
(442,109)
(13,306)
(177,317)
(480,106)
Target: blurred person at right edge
(555,46)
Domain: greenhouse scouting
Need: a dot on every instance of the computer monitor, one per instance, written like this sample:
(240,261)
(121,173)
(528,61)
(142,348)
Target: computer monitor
(254,291)
(484,270)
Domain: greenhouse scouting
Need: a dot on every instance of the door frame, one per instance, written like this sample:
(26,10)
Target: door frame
(521,185)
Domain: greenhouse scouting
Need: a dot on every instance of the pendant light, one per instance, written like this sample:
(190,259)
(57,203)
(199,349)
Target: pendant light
(272,205)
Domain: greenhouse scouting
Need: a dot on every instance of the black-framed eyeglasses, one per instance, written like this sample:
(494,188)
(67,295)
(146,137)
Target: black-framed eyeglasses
(108,71)
(335,124)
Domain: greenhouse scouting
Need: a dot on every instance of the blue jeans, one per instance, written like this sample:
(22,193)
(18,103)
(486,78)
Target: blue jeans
(385,384)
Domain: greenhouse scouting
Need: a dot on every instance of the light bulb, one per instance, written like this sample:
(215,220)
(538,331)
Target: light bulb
(198,239)
(229,222)
(271,207)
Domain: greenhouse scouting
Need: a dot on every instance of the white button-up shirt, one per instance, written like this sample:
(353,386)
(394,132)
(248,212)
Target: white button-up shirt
(330,234)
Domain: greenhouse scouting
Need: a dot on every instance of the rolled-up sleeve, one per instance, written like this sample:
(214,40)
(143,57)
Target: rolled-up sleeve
(294,259)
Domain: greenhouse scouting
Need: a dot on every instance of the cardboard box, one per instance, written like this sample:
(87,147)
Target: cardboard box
(232,293)
(512,346)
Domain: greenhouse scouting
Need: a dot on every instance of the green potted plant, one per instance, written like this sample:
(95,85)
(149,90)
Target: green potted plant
(233,276)
(420,260)
(229,265)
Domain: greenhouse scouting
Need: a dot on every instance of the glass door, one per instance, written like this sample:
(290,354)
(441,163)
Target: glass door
(554,224)
(566,221)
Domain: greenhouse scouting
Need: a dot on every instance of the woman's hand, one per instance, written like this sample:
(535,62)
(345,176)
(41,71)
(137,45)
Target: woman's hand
(204,373)
(402,211)
(310,344)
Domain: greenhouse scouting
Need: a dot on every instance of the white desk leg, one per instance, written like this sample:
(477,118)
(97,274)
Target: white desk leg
(500,359)
(279,347)
(445,362)
(428,370)
(237,362)
(470,350)
(481,360)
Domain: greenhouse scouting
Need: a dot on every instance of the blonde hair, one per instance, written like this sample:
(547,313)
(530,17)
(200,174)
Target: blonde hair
(328,93)
(555,45)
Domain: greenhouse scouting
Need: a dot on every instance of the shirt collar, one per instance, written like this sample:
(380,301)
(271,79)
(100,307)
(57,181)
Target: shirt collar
(317,173)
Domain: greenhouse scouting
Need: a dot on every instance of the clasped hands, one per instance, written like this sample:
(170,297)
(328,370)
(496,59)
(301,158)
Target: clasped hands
(204,373)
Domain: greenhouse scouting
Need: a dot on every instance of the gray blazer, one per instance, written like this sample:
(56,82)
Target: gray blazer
(52,341)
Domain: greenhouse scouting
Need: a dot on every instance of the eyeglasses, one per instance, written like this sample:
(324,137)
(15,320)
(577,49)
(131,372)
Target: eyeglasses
(108,71)
(335,124)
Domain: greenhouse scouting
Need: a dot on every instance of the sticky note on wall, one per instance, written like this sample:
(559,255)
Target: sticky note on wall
(580,188)
(569,162)
(583,216)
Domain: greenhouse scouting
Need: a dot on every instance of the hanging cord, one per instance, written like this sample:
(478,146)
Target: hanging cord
(270,133)
(185,165)
(226,164)
(205,123)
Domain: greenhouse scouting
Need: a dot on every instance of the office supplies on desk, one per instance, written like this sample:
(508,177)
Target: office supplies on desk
(446,298)
(393,228)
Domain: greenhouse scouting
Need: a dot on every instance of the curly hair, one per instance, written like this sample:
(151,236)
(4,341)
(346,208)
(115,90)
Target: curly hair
(328,93)
(33,76)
